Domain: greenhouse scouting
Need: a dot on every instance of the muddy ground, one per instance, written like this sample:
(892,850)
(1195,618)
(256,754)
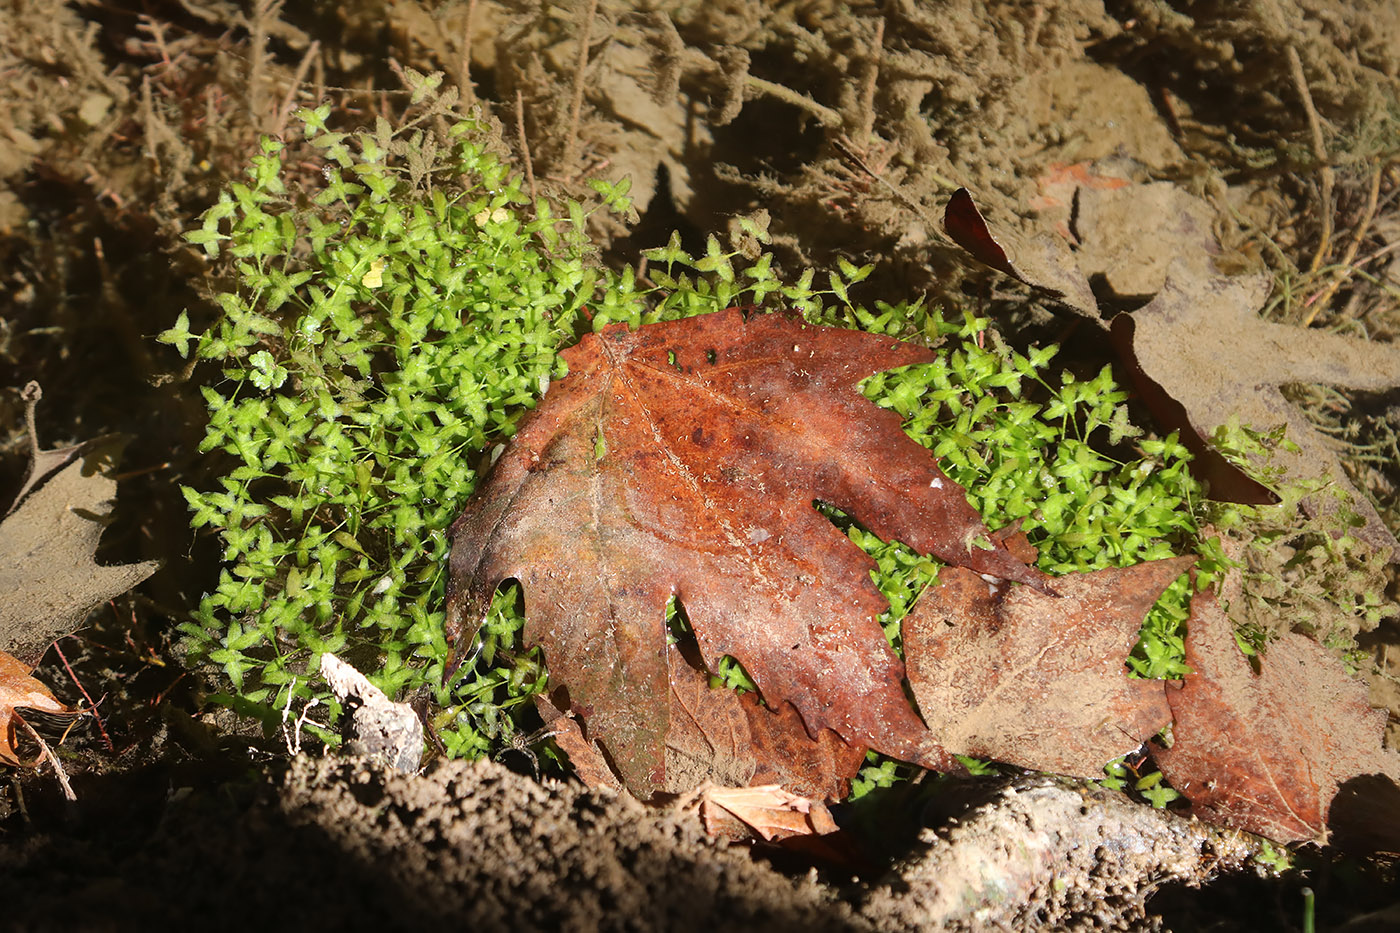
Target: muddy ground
(849,124)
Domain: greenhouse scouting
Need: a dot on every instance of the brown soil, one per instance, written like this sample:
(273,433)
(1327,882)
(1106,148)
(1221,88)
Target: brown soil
(345,842)
(849,124)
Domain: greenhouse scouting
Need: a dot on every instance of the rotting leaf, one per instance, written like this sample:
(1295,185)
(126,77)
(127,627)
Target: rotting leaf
(725,738)
(1186,350)
(718,433)
(1034,680)
(1267,753)
(19,690)
(48,540)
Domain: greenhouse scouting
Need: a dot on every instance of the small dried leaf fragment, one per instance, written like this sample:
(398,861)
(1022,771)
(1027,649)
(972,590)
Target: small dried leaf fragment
(1035,680)
(388,732)
(19,690)
(1267,753)
(768,810)
(682,460)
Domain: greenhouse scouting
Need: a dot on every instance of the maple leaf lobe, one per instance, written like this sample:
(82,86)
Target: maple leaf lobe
(1034,680)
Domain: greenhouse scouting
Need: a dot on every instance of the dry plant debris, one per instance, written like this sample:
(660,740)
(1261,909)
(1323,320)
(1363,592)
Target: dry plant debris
(379,728)
(47,570)
(1198,352)
(48,539)
(1202,343)
(770,810)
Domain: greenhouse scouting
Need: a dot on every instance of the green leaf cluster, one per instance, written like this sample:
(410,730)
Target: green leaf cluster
(386,330)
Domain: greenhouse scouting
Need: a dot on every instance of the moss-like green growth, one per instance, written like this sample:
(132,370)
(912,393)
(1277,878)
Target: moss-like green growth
(385,331)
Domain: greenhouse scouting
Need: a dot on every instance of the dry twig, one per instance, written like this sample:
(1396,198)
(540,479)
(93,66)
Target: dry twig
(524,143)
(585,36)
(1347,269)
(289,100)
(867,97)
(52,759)
(92,706)
(1319,151)
(465,67)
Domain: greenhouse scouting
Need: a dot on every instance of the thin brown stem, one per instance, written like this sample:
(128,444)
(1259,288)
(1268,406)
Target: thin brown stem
(465,67)
(585,36)
(263,12)
(1326,176)
(524,143)
(51,758)
(825,115)
(934,229)
(290,99)
(92,705)
(1353,248)
(867,97)
(31,395)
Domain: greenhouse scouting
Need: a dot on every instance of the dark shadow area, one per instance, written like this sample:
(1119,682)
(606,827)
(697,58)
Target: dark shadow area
(346,847)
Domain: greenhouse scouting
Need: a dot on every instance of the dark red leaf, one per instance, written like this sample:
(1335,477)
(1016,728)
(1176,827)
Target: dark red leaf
(683,460)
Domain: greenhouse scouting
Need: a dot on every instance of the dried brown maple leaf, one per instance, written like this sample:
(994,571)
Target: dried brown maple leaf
(1267,753)
(682,460)
(1033,680)
(18,690)
(47,544)
(1201,345)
